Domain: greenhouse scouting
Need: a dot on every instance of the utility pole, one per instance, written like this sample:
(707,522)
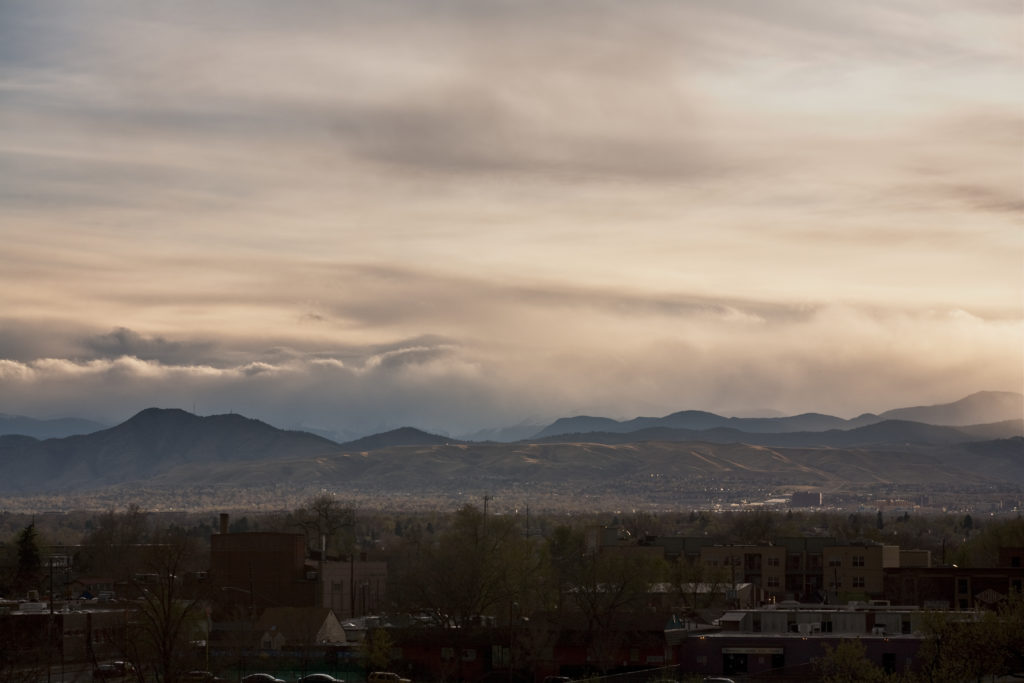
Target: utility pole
(49,649)
(487,499)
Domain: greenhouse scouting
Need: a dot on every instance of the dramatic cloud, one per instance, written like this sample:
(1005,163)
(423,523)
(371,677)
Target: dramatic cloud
(357,215)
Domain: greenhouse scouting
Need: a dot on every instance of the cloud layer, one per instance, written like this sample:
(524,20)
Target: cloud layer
(358,215)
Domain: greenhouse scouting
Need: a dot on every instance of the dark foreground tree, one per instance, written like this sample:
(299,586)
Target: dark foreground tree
(848,662)
(964,646)
(30,564)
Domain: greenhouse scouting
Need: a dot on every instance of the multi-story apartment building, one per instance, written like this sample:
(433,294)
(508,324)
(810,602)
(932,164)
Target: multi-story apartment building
(804,562)
(764,566)
(815,569)
(856,571)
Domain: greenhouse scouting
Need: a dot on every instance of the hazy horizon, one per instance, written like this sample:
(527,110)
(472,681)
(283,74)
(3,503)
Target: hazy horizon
(455,216)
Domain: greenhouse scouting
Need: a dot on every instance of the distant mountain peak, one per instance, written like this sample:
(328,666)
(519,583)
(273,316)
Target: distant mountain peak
(977,408)
(403,436)
(160,413)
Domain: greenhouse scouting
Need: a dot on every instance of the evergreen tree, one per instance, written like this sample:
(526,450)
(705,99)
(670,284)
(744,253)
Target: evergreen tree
(30,565)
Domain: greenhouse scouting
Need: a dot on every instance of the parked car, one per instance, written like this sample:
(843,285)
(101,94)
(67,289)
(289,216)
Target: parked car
(200,677)
(320,678)
(261,678)
(386,677)
(112,671)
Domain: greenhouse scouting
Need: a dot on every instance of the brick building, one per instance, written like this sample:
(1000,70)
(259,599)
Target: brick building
(261,569)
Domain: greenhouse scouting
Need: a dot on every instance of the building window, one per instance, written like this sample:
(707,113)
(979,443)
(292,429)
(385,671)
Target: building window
(734,664)
(772,582)
(858,582)
(858,561)
(961,586)
(835,562)
(772,562)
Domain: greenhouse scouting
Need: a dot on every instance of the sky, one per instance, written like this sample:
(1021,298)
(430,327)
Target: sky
(356,216)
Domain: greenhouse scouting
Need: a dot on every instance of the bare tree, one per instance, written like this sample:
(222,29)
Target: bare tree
(470,576)
(171,612)
(324,518)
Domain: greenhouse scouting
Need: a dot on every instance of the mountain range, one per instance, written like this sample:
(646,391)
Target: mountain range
(47,429)
(978,408)
(978,441)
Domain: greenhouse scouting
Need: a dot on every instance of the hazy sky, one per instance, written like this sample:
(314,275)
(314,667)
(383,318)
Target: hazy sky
(453,215)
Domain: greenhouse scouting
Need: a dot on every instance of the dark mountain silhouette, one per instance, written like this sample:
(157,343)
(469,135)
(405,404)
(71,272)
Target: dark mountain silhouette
(153,441)
(698,420)
(47,429)
(403,436)
(581,424)
(982,407)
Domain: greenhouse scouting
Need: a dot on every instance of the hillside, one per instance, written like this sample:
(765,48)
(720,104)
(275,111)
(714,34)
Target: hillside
(649,471)
(888,432)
